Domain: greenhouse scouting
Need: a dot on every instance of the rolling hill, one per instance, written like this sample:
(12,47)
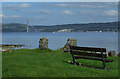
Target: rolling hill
(17,27)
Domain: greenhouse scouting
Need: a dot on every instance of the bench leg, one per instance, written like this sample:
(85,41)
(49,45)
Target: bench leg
(74,61)
(104,66)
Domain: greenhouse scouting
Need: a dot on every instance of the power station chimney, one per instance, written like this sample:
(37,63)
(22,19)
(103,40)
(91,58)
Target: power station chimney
(27,25)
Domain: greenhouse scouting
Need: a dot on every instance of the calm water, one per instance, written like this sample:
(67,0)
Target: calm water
(108,40)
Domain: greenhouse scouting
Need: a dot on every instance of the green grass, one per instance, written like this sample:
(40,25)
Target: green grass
(50,63)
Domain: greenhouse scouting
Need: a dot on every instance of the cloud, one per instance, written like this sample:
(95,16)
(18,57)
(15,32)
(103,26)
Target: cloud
(98,5)
(3,16)
(25,5)
(111,12)
(90,6)
(15,16)
(38,17)
(67,12)
(17,7)
(87,5)
(43,11)
(12,16)
(62,5)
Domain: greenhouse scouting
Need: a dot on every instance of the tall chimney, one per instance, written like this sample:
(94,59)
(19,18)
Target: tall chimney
(27,25)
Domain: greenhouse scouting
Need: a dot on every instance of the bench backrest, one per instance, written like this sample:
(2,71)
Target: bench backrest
(88,51)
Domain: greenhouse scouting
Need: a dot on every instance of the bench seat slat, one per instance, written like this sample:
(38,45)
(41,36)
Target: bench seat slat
(88,48)
(89,54)
(80,57)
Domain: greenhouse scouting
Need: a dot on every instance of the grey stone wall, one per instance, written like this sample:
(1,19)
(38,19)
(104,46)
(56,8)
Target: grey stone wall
(72,42)
(43,43)
(112,53)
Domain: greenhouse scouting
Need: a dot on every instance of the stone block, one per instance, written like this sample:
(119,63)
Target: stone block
(43,43)
(112,53)
(70,42)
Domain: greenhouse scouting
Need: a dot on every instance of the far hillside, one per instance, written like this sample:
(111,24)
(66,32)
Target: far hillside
(104,27)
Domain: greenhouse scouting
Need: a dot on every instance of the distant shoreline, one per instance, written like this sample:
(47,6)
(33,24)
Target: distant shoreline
(90,27)
(60,32)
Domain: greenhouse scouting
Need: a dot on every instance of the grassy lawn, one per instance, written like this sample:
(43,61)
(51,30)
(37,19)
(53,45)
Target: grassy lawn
(50,63)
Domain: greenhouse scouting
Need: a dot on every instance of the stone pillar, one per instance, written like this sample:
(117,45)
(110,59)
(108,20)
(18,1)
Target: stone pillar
(112,53)
(72,42)
(43,43)
(119,54)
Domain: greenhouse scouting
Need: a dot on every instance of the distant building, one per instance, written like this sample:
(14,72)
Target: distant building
(65,30)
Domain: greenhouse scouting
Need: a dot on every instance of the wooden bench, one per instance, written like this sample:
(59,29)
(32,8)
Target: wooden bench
(91,53)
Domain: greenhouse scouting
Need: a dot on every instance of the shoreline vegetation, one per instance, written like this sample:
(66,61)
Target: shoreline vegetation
(86,27)
(51,63)
(9,47)
(66,32)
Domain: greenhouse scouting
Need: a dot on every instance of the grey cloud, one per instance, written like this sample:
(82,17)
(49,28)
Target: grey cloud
(111,12)
(17,7)
(43,11)
(87,5)
(67,12)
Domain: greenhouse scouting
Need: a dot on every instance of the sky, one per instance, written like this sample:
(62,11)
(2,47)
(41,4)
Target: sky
(60,0)
(54,13)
